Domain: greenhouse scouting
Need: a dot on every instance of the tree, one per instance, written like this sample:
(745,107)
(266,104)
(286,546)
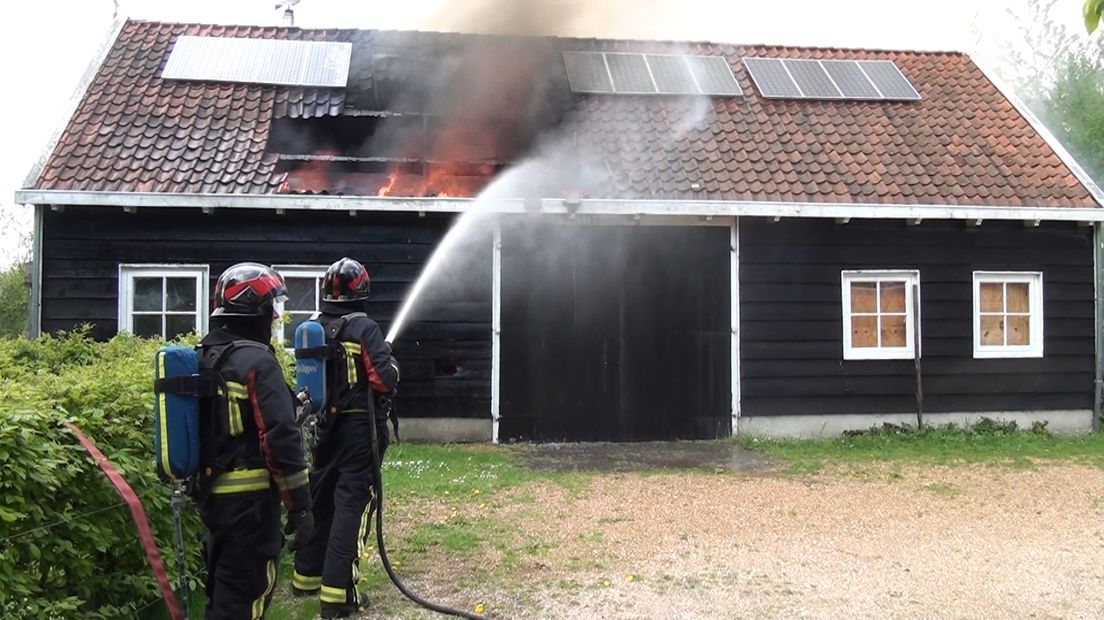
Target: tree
(15,297)
(1059,72)
(1074,112)
(1094,11)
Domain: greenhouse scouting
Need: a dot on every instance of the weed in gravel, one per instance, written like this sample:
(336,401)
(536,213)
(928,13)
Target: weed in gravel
(942,489)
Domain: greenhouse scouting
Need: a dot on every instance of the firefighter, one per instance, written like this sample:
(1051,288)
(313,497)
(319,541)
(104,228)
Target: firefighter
(361,378)
(252,455)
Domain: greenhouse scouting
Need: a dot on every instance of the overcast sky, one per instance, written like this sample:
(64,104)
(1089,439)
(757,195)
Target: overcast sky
(47,44)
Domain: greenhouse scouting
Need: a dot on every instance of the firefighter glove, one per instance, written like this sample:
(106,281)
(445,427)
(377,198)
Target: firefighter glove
(300,523)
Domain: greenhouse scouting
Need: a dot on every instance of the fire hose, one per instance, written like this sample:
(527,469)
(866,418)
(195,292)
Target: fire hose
(138,514)
(377,484)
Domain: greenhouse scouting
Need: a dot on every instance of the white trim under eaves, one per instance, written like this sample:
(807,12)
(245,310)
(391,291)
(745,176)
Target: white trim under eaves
(70,107)
(1047,136)
(558,206)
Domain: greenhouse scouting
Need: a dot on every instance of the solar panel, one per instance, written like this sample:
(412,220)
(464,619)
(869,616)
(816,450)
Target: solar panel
(587,73)
(812,79)
(649,74)
(671,74)
(259,61)
(630,73)
(771,78)
(714,75)
(850,79)
(889,80)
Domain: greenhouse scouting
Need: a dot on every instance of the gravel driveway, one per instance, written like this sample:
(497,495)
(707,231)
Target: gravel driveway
(889,542)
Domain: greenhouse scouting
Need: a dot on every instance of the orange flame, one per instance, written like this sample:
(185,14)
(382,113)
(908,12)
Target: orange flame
(385,190)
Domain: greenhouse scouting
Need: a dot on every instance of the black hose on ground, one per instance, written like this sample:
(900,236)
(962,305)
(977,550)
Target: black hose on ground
(395,579)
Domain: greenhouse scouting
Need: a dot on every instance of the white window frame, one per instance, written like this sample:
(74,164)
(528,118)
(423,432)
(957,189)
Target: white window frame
(299,271)
(128,272)
(1034,280)
(911,278)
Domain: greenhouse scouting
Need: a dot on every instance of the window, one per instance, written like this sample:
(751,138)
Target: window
(878,314)
(163,301)
(1008,314)
(303,286)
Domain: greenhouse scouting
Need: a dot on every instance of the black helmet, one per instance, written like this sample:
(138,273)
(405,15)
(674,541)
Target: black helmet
(346,280)
(248,289)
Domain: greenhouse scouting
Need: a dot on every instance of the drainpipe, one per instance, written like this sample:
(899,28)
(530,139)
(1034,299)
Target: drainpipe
(1098,323)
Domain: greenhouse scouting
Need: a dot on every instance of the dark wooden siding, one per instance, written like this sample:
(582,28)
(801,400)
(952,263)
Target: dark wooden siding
(83,247)
(791,317)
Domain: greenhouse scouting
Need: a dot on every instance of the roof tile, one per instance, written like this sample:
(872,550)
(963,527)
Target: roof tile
(963,143)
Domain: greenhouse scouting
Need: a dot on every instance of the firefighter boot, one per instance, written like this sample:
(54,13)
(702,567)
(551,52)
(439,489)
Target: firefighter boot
(333,610)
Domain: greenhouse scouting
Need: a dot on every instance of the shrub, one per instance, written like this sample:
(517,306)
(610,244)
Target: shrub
(68,548)
(15,297)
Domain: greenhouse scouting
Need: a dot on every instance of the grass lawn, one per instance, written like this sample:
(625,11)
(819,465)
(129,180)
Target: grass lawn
(986,442)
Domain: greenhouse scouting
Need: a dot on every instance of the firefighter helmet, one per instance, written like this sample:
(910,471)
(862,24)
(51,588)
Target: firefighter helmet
(248,289)
(346,280)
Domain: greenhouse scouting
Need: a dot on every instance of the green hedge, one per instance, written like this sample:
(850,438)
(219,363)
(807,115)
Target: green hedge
(68,548)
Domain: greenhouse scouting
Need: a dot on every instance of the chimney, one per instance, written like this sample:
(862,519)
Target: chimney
(289,13)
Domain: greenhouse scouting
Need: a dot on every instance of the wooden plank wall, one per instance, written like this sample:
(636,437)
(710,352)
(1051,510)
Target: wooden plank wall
(83,248)
(791,317)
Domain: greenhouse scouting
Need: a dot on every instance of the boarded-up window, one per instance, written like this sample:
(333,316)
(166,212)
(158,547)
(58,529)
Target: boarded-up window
(878,312)
(1008,314)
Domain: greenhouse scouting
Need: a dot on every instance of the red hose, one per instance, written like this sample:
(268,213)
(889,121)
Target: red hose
(138,514)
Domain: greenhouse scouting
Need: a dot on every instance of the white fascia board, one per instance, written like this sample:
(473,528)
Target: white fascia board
(1047,136)
(75,99)
(557,206)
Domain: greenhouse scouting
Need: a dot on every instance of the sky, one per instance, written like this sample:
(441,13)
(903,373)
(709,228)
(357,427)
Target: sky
(47,44)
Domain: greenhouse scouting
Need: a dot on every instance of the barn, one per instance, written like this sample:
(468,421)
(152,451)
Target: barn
(698,240)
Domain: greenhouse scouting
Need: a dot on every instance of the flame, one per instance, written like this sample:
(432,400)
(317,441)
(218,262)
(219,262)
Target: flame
(385,190)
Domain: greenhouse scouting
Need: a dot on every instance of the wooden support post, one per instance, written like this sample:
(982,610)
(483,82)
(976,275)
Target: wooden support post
(496,331)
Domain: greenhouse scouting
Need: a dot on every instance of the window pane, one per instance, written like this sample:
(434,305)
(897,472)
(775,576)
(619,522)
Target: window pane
(289,328)
(147,325)
(864,331)
(300,294)
(992,297)
(893,296)
(1019,328)
(147,294)
(179,324)
(1019,299)
(180,294)
(992,330)
(893,330)
(864,297)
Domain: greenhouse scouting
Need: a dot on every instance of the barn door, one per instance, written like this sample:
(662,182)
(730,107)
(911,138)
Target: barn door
(614,333)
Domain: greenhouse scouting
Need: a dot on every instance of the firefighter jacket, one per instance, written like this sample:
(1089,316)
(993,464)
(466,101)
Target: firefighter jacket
(367,370)
(249,438)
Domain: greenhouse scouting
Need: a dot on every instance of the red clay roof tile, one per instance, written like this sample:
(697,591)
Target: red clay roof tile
(963,143)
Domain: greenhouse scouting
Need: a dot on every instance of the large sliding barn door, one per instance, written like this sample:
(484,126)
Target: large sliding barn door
(615,333)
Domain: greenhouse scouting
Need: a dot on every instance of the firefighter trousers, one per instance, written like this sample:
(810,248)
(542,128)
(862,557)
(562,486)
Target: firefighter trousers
(341,493)
(241,551)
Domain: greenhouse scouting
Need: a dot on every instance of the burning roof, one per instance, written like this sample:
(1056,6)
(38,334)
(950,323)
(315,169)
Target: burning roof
(431,114)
